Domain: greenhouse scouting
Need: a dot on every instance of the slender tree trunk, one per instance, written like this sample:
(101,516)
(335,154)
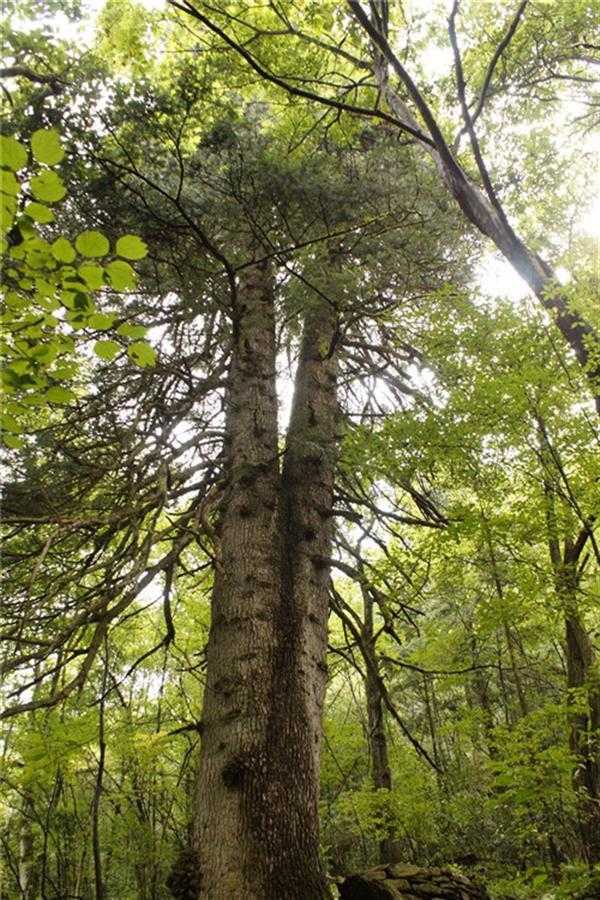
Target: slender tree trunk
(496,577)
(479,688)
(28,880)
(307,519)
(96,848)
(432,718)
(307,528)
(256,829)
(381,773)
(582,679)
(584,736)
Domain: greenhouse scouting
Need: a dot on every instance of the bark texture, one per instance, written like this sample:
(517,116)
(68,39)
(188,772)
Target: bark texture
(256,832)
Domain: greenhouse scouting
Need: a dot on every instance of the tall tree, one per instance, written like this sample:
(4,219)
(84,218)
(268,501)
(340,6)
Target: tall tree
(272,254)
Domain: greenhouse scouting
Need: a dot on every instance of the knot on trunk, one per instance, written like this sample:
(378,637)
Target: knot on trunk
(234,772)
(183,880)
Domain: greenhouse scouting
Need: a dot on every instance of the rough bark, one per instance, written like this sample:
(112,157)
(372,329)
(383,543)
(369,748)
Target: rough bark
(256,831)
(306,528)
(233,776)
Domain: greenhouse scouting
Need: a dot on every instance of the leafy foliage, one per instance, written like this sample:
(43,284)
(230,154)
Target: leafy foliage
(49,288)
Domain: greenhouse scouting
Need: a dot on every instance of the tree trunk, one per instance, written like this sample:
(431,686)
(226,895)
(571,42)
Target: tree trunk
(96,847)
(307,528)
(582,679)
(256,830)
(584,736)
(479,688)
(28,880)
(381,773)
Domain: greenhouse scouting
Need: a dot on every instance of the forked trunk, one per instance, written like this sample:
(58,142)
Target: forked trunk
(256,832)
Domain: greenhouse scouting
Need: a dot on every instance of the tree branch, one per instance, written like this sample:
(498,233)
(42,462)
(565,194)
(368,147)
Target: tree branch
(192,11)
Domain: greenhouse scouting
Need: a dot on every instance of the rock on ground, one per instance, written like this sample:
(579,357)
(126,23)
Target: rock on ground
(404,882)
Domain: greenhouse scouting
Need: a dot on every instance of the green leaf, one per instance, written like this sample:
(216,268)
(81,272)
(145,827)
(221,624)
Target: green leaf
(12,441)
(66,370)
(76,319)
(121,275)
(13,155)
(47,187)
(19,366)
(83,302)
(8,183)
(39,213)
(8,211)
(93,275)
(142,353)
(101,321)
(106,349)
(9,423)
(130,246)
(46,353)
(63,250)
(60,395)
(132,331)
(46,146)
(92,243)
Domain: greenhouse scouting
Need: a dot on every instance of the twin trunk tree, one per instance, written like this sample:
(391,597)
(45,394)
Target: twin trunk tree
(256,833)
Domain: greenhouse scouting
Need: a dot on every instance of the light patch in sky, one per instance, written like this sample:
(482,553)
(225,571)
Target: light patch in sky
(590,221)
(285,396)
(498,279)
(84,31)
